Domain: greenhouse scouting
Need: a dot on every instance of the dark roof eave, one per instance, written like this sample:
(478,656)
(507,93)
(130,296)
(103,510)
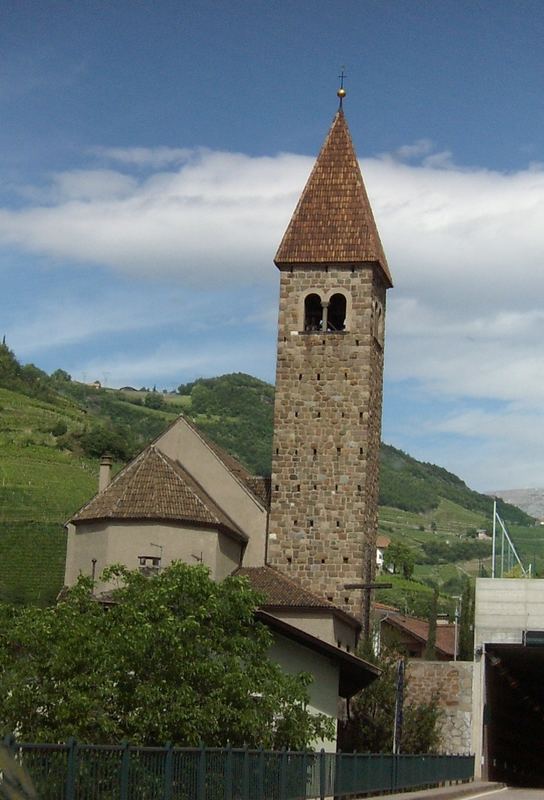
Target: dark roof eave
(337,612)
(234,534)
(355,673)
(400,627)
(318,263)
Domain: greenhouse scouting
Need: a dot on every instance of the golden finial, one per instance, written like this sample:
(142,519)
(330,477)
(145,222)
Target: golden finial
(341,93)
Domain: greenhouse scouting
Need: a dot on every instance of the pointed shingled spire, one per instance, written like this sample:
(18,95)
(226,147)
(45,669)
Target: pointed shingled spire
(333,221)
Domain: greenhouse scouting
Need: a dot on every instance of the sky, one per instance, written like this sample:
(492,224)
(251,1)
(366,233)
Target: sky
(152,153)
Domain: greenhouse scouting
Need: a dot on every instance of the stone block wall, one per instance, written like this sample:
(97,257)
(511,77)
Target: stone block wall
(327,425)
(451,681)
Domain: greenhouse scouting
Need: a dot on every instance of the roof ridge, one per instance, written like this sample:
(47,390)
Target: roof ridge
(176,469)
(136,467)
(189,482)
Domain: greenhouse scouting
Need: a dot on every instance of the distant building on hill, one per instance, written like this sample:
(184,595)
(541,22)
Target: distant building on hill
(382,543)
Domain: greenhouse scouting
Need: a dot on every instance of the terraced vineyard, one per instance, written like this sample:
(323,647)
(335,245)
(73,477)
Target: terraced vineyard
(39,487)
(47,471)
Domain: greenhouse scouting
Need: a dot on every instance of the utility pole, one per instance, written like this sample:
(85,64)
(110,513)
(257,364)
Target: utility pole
(458,605)
(367,588)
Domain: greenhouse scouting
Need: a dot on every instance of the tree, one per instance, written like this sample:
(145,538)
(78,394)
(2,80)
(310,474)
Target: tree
(400,558)
(60,376)
(176,658)
(466,623)
(154,400)
(430,647)
(98,439)
(372,715)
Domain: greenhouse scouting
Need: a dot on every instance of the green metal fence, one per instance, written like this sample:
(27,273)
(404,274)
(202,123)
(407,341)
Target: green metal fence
(74,771)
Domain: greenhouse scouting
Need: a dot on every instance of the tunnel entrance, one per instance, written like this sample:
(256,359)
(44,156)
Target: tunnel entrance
(514,714)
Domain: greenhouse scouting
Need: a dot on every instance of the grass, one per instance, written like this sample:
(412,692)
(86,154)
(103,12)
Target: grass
(41,486)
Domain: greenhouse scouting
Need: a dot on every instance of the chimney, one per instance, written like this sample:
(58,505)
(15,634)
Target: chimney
(104,476)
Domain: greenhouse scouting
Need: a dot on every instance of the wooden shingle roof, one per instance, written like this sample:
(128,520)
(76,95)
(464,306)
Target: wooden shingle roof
(333,221)
(155,487)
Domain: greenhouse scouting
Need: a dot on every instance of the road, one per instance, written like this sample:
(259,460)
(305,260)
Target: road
(510,794)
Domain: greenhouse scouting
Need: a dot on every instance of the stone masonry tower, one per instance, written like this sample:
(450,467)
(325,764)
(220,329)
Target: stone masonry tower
(327,420)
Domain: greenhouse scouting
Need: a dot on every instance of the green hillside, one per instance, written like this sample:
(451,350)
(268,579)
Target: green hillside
(53,430)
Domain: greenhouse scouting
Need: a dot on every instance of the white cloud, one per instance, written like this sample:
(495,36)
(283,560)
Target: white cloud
(153,157)
(215,219)
(465,249)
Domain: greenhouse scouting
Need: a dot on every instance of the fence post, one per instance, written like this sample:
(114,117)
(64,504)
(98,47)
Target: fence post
(394,772)
(260,782)
(322,775)
(201,785)
(71,768)
(168,774)
(283,774)
(338,774)
(245,774)
(228,772)
(125,768)
(9,741)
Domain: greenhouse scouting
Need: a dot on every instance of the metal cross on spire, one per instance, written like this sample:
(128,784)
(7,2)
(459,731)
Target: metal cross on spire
(341,93)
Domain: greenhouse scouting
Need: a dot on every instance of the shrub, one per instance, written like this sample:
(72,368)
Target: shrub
(59,428)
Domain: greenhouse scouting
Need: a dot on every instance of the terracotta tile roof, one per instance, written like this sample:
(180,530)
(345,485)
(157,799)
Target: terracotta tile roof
(155,487)
(382,541)
(283,592)
(419,629)
(333,221)
(261,487)
(383,607)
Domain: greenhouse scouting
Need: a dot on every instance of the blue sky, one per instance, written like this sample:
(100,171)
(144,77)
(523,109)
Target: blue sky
(151,155)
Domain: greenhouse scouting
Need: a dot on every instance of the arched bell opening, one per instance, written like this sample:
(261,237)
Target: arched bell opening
(313,313)
(336,317)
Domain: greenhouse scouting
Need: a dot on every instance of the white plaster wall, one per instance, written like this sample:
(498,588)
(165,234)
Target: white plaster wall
(320,623)
(294,658)
(115,542)
(181,443)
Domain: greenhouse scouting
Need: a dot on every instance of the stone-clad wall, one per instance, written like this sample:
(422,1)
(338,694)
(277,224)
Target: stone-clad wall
(451,681)
(327,425)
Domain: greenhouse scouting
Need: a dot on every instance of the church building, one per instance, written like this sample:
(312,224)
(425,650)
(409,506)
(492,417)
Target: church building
(307,535)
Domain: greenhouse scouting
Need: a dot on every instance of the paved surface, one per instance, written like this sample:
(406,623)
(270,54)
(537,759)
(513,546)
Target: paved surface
(493,791)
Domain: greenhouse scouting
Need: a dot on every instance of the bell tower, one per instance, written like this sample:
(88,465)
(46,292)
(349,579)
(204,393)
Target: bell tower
(327,418)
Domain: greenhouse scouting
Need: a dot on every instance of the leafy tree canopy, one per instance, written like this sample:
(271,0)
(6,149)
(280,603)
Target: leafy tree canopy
(154,400)
(176,658)
(400,558)
(26,379)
